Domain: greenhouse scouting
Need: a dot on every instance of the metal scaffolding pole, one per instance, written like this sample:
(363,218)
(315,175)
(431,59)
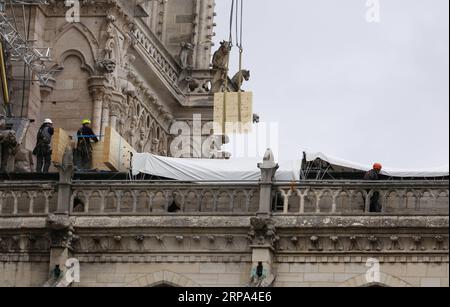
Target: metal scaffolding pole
(19,48)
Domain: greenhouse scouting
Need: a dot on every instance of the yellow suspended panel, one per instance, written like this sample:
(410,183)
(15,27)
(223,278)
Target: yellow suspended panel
(238,112)
(113,153)
(60,141)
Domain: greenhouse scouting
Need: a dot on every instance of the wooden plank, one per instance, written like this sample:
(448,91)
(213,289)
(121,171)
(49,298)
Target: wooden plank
(233,124)
(60,140)
(113,153)
(98,161)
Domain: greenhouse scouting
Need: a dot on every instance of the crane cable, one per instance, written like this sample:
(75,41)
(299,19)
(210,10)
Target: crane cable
(239,44)
(230,41)
(237,12)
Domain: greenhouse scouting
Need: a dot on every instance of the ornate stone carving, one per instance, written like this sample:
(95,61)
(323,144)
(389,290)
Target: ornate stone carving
(335,244)
(354,246)
(220,66)
(395,243)
(139,238)
(315,244)
(107,66)
(374,244)
(229,239)
(186,56)
(239,78)
(263,232)
(417,244)
(439,243)
(61,231)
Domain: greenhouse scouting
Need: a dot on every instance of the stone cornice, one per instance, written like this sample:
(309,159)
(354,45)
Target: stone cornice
(282,223)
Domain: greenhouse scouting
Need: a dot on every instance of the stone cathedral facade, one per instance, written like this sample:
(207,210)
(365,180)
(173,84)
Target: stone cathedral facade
(136,66)
(139,66)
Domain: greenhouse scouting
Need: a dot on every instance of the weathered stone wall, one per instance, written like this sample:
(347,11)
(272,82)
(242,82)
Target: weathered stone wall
(353,274)
(222,250)
(174,274)
(23,274)
(235,274)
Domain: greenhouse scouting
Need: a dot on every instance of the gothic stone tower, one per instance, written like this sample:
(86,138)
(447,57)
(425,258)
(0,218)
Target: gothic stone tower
(136,66)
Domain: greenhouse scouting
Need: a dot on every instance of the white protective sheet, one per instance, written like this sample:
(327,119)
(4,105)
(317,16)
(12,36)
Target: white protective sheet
(208,169)
(344,165)
(247,169)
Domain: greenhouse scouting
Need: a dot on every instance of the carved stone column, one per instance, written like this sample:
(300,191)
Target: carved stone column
(97,88)
(268,169)
(105,114)
(263,240)
(117,99)
(61,233)
(97,109)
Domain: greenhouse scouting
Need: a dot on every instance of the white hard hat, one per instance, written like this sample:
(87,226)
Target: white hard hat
(48,121)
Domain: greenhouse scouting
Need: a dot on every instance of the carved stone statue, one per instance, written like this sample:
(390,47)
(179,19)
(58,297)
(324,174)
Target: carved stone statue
(23,161)
(110,38)
(187,56)
(220,63)
(9,147)
(239,78)
(107,65)
(263,232)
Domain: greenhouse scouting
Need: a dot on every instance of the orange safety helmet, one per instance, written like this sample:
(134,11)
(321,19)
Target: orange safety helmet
(378,166)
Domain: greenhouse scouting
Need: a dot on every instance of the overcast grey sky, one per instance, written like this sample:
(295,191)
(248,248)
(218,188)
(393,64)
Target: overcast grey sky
(335,83)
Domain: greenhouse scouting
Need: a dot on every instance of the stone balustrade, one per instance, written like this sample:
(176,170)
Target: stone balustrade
(21,198)
(161,198)
(158,197)
(354,197)
(157,54)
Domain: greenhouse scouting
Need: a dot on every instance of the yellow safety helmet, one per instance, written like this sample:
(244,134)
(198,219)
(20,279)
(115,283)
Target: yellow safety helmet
(86,122)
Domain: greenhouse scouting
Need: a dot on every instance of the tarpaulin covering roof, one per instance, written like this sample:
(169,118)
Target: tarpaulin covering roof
(345,166)
(209,169)
(247,169)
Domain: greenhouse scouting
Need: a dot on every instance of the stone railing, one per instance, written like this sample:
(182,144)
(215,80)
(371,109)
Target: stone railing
(354,197)
(264,197)
(122,198)
(21,198)
(158,197)
(157,54)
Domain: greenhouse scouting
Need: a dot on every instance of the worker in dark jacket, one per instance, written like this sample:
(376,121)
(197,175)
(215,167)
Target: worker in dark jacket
(85,136)
(374,175)
(43,150)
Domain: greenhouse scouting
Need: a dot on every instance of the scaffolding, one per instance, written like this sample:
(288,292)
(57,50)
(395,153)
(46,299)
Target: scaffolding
(19,47)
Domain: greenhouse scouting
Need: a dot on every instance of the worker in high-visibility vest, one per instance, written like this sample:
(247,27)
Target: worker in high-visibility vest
(85,136)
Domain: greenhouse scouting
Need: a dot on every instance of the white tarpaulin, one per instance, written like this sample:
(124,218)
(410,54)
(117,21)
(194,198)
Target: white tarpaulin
(343,165)
(247,169)
(209,169)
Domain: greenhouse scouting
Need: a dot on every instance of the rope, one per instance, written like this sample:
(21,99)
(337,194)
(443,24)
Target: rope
(231,22)
(238,9)
(239,43)
(226,72)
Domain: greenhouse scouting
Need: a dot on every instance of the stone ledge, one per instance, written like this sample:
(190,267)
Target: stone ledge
(217,221)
